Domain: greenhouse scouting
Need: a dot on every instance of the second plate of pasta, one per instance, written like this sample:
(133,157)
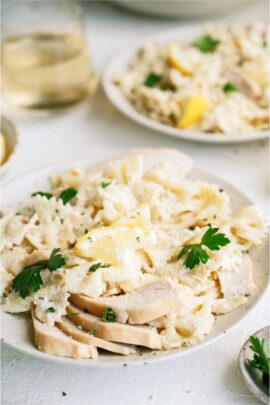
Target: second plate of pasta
(207,84)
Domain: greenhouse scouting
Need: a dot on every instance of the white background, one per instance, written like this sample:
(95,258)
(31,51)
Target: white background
(207,377)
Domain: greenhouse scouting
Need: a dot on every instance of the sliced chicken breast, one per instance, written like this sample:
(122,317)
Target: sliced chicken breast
(116,332)
(70,329)
(141,306)
(243,82)
(151,157)
(50,339)
(238,282)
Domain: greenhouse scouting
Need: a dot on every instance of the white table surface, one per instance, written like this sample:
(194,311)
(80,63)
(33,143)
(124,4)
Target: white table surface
(207,377)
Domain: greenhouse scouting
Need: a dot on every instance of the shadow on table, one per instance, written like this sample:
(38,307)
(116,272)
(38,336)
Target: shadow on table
(235,386)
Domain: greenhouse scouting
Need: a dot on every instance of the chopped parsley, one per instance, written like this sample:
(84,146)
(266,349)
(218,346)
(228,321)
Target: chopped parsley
(92,331)
(221,190)
(96,266)
(229,88)
(67,195)
(196,254)
(109,315)
(42,194)
(152,79)
(138,239)
(260,359)
(50,309)
(29,279)
(105,184)
(72,315)
(206,43)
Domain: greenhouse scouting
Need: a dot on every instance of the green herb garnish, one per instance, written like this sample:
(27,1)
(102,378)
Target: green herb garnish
(56,260)
(96,266)
(67,195)
(152,79)
(195,252)
(109,315)
(206,43)
(229,88)
(104,184)
(42,194)
(72,315)
(50,309)
(260,359)
(29,279)
(92,331)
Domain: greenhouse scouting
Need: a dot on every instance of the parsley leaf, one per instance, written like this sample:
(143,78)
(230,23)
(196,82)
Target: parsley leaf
(69,315)
(206,43)
(260,359)
(42,194)
(50,309)
(195,252)
(96,266)
(67,195)
(152,79)
(29,279)
(56,260)
(92,331)
(109,315)
(229,88)
(214,240)
(104,184)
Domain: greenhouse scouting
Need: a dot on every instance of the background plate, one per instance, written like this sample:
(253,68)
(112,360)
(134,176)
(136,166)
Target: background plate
(17,329)
(121,63)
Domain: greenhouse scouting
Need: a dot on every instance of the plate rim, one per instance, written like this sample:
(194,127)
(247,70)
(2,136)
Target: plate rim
(114,94)
(124,361)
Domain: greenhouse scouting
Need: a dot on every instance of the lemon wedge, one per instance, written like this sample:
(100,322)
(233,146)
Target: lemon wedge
(3,148)
(177,61)
(195,108)
(111,244)
(140,217)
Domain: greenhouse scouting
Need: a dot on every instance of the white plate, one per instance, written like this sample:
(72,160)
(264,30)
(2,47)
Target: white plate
(17,329)
(183,8)
(120,64)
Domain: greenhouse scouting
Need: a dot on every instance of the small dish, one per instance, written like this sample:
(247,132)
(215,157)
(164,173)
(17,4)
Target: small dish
(253,377)
(11,139)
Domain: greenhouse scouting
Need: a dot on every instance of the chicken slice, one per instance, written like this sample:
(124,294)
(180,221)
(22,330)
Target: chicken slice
(50,339)
(70,329)
(243,82)
(150,302)
(138,335)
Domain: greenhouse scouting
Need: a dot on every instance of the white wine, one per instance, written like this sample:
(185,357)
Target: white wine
(44,70)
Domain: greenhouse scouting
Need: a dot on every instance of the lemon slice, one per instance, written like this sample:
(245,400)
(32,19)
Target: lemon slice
(139,217)
(195,108)
(111,244)
(177,60)
(3,148)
